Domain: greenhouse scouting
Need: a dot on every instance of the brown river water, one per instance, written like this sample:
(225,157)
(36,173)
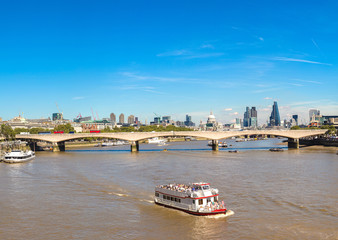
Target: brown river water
(107,193)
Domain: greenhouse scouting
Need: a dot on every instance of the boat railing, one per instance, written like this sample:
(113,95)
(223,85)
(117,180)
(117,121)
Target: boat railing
(173,192)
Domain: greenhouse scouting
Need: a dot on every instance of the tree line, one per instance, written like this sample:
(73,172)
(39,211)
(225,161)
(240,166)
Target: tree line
(9,133)
(331,130)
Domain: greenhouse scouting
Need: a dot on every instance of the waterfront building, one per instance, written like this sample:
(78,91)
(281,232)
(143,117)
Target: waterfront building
(121,118)
(274,118)
(166,119)
(238,124)
(211,122)
(157,120)
(131,119)
(294,120)
(82,119)
(250,117)
(188,121)
(313,112)
(112,118)
(57,116)
(179,123)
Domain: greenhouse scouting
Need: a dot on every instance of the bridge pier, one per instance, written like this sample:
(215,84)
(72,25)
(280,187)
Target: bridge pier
(59,146)
(214,145)
(134,147)
(293,143)
(33,145)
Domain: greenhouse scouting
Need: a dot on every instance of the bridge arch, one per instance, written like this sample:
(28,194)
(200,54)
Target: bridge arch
(135,137)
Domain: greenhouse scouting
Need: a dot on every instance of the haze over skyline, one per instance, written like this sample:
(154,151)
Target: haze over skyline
(168,57)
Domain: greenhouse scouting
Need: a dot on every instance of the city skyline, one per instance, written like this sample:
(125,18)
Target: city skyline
(172,59)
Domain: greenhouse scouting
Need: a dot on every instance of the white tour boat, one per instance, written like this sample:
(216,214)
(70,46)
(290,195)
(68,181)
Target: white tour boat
(18,156)
(156,140)
(196,198)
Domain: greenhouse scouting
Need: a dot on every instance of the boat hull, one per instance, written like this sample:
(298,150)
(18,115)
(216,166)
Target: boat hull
(19,160)
(221,211)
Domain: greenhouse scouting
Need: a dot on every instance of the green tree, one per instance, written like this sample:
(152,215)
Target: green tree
(66,128)
(295,128)
(7,132)
(19,130)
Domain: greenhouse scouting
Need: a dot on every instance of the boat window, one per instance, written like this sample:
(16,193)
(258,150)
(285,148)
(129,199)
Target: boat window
(200,202)
(164,197)
(216,199)
(172,198)
(206,187)
(179,200)
(208,200)
(193,201)
(157,195)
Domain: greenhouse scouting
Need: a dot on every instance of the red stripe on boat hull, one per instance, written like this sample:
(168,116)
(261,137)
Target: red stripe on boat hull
(219,211)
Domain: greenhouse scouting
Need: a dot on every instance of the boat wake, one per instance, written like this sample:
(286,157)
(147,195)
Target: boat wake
(228,214)
(118,194)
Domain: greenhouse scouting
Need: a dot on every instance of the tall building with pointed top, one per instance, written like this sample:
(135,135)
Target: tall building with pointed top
(274,118)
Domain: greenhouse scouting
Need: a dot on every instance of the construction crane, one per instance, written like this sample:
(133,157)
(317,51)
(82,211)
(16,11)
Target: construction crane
(93,114)
(158,117)
(59,110)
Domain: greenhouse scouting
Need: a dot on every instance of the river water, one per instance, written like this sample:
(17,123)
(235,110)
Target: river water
(107,193)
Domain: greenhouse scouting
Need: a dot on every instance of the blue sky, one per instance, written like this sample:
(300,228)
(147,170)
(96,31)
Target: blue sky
(168,57)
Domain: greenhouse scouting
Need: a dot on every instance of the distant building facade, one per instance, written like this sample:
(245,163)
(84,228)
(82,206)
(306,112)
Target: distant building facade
(121,118)
(188,121)
(275,117)
(250,117)
(56,116)
(131,119)
(313,113)
(113,118)
(294,120)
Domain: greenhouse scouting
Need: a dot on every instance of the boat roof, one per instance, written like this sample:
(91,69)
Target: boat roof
(201,184)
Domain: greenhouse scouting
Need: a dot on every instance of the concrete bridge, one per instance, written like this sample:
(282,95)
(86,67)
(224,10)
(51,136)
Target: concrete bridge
(58,140)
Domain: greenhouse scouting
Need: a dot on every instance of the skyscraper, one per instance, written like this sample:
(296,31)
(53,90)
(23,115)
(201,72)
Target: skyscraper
(295,119)
(246,119)
(112,117)
(131,119)
(188,121)
(274,118)
(250,117)
(121,118)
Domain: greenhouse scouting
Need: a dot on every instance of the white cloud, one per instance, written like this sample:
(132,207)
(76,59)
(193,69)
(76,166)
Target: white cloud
(267,98)
(285,59)
(234,113)
(228,109)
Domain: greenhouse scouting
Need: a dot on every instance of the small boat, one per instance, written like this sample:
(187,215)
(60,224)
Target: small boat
(197,198)
(276,149)
(107,144)
(18,156)
(233,151)
(223,144)
(156,140)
